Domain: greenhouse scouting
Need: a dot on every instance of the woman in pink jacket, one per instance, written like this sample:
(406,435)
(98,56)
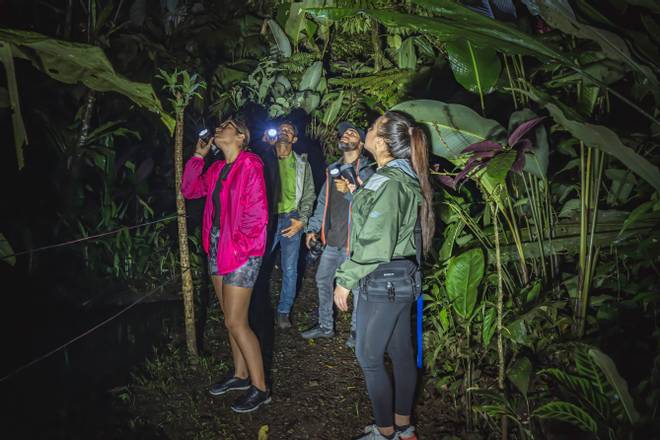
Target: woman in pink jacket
(234,237)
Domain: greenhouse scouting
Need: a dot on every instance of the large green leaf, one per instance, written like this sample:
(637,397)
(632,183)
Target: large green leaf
(20,135)
(617,382)
(536,161)
(406,57)
(464,273)
(475,68)
(332,111)
(311,77)
(598,136)
(452,127)
(75,62)
(560,15)
(296,21)
(567,412)
(281,40)
(488,327)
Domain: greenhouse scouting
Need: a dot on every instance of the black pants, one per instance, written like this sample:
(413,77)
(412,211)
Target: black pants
(385,327)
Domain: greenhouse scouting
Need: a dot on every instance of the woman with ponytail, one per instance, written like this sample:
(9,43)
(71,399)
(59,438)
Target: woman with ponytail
(388,211)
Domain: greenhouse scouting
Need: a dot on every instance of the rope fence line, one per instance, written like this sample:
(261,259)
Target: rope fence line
(90,237)
(91,330)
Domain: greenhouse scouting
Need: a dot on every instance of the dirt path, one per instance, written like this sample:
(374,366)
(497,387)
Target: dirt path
(318,388)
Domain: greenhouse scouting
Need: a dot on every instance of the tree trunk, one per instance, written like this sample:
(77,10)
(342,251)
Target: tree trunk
(377,46)
(186,275)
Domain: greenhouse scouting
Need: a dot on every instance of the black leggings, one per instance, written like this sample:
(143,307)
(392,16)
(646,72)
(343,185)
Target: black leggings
(386,327)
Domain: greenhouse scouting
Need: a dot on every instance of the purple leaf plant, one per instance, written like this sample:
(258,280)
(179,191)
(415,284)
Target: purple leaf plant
(484,151)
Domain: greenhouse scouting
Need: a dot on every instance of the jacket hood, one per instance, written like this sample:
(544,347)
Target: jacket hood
(403,165)
(364,162)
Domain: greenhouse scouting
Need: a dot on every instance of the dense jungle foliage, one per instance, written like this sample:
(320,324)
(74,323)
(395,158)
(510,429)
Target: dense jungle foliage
(541,298)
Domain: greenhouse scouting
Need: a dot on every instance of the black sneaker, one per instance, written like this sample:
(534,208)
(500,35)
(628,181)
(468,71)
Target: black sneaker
(317,332)
(251,400)
(230,384)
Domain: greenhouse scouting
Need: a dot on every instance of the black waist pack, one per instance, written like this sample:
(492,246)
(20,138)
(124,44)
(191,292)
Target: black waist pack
(395,281)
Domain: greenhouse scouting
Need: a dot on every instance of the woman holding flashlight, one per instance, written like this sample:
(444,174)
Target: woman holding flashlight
(392,222)
(234,237)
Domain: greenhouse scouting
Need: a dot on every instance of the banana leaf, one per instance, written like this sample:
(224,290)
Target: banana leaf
(75,62)
(296,21)
(477,69)
(452,127)
(406,57)
(281,40)
(311,77)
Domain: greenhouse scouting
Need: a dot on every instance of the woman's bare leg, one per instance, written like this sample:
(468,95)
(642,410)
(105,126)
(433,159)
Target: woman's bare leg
(240,367)
(236,303)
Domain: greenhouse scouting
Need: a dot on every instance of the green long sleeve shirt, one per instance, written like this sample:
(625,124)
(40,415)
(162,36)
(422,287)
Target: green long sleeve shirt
(384,213)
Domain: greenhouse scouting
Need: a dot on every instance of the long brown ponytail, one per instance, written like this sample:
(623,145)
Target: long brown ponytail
(405,140)
(419,157)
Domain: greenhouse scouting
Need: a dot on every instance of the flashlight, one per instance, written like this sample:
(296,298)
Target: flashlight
(205,135)
(335,172)
(348,172)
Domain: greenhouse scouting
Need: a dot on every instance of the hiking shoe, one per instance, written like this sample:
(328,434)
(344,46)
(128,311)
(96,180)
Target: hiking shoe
(283,321)
(251,400)
(371,432)
(230,384)
(408,433)
(350,342)
(317,332)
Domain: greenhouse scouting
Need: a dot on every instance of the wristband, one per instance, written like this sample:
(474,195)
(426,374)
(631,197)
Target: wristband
(199,155)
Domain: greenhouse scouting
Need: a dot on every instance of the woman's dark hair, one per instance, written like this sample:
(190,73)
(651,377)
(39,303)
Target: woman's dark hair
(406,140)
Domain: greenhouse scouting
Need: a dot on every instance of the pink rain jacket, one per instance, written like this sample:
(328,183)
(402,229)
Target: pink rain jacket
(243,207)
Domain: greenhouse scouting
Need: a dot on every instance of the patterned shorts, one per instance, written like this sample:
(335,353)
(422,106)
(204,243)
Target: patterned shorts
(245,276)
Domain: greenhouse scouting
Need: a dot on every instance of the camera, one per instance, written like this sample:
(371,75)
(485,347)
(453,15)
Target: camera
(315,248)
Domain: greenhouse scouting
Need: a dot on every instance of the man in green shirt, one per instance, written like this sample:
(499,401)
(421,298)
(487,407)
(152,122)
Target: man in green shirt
(294,202)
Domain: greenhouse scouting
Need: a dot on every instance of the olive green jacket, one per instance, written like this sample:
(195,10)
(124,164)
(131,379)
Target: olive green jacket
(384,213)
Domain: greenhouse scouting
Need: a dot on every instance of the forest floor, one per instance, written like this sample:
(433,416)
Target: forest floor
(318,388)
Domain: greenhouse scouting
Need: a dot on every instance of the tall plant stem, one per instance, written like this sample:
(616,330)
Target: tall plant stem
(87,117)
(186,274)
(377,46)
(500,311)
(507,69)
(468,379)
(515,233)
(591,255)
(536,215)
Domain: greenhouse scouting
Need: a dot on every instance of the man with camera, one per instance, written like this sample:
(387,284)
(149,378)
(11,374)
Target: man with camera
(293,200)
(331,220)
